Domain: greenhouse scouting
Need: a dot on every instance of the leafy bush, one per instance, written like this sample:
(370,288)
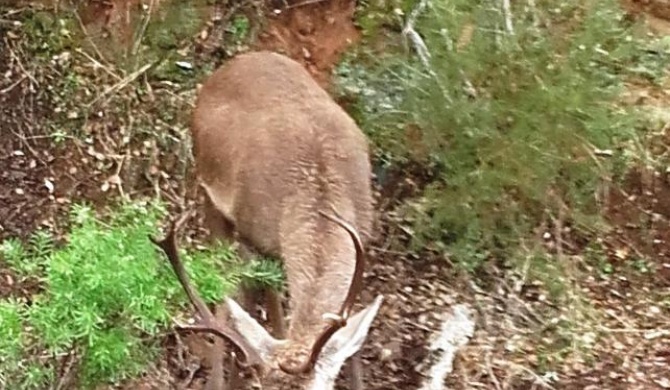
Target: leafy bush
(107,296)
(510,123)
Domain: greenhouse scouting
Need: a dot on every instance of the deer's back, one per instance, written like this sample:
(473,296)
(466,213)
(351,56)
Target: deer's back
(272,148)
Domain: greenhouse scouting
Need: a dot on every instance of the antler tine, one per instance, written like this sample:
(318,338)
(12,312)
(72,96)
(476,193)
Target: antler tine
(209,323)
(345,309)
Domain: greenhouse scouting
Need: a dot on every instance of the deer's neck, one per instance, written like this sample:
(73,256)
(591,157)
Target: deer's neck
(319,257)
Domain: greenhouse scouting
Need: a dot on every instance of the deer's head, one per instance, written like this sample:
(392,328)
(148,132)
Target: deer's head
(285,362)
(311,363)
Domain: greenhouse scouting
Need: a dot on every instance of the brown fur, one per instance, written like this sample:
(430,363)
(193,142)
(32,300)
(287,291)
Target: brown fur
(272,149)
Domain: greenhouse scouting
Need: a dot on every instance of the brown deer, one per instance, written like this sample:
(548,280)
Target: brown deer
(286,172)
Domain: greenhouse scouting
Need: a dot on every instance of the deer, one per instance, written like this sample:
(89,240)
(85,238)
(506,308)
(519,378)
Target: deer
(286,173)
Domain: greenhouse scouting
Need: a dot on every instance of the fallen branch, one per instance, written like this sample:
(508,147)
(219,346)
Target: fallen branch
(423,52)
(410,32)
(456,331)
(507,14)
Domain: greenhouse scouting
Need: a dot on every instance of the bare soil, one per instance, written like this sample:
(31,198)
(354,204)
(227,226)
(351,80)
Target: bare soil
(656,13)
(315,33)
(630,353)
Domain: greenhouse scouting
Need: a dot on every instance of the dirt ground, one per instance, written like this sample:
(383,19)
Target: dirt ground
(39,180)
(315,35)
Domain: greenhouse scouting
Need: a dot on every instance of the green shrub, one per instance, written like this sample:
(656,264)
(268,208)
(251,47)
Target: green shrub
(509,123)
(10,336)
(107,296)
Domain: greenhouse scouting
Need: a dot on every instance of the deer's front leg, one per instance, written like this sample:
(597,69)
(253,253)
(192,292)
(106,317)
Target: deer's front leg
(355,372)
(275,309)
(217,357)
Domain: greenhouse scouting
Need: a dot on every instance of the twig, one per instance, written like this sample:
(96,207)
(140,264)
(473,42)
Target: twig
(20,64)
(32,151)
(121,84)
(96,63)
(14,85)
(518,285)
(558,230)
(48,136)
(16,11)
(189,103)
(304,3)
(489,368)
(660,331)
(117,173)
(143,29)
(88,36)
(65,380)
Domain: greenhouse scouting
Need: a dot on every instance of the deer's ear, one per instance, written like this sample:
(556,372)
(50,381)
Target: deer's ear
(349,340)
(252,331)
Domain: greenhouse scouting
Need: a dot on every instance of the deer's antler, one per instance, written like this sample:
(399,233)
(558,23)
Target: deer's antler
(208,321)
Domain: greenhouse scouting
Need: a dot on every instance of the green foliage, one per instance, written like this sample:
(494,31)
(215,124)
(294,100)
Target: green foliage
(13,252)
(372,16)
(239,28)
(48,34)
(10,330)
(27,262)
(17,370)
(378,109)
(653,60)
(175,21)
(107,295)
(509,123)
(160,39)
(263,272)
